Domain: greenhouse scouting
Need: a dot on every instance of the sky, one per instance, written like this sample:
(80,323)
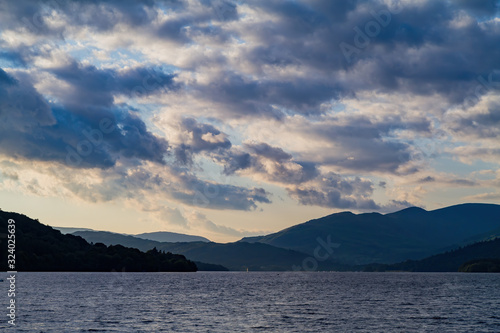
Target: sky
(227,119)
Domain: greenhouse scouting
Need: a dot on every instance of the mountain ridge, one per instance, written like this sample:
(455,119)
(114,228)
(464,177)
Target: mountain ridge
(411,233)
(451,261)
(235,256)
(159,236)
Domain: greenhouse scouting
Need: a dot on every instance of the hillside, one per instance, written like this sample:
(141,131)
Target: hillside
(412,233)
(481,266)
(42,248)
(171,237)
(235,256)
(462,259)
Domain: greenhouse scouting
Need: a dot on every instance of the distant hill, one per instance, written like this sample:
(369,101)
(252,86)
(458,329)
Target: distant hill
(171,237)
(42,248)
(342,241)
(70,230)
(235,256)
(473,258)
(159,236)
(412,233)
(111,238)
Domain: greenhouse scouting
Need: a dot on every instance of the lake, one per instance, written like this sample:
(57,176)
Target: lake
(255,302)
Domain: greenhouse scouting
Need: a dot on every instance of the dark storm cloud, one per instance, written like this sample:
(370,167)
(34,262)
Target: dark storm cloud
(484,7)
(366,145)
(202,138)
(99,15)
(257,158)
(242,97)
(92,86)
(87,137)
(219,196)
(483,125)
(420,48)
(333,191)
(103,16)
(267,151)
(235,161)
(270,162)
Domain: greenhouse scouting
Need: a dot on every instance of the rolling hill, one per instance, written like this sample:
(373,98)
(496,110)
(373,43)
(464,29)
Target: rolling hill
(412,233)
(235,256)
(171,237)
(159,236)
(452,261)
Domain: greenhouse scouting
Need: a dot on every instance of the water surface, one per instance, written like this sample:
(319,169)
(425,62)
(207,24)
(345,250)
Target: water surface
(256,302)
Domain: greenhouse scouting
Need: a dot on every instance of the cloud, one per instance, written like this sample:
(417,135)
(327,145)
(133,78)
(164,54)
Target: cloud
(482,120)
(199,219)
(200,193)
(239,96)
(168,215)
(483,197)
(334,191)
(360,143)
(197,138)
(151,186)
(273,153)
(37,17)
(484,8)
(33,128)
(92,86)
(428,179)
(448,181)
(421,48)
(330,122)
(271,163)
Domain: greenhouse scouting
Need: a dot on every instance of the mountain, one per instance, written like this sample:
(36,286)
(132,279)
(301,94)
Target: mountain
(474,257)
(235,256)
(412,233)
(39,247)
(171,237)
(159,236)
(111,238)
(70,230)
